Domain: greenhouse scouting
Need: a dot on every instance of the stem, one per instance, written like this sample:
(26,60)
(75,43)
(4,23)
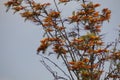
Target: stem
(67,67)
(65,35)
(56,66)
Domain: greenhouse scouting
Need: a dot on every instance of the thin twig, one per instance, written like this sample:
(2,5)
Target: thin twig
(55,65)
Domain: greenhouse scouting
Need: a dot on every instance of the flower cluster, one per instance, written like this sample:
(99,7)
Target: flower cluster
(115,55)
(86,75)
(86,43)
(90,17)
(64,1)
(83,68)
(50,19)
(30,11)
(54,14)
(57,44)
(83,64)
(13,3)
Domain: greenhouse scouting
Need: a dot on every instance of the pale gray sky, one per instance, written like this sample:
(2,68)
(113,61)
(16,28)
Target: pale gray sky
(19,41)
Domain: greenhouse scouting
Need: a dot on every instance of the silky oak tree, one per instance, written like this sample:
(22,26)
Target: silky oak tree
(76,39)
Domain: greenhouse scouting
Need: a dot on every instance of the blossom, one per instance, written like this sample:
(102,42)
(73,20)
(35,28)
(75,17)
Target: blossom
(13,3)
(85,60)
(74,18)
(96,5)
(64,0)
(27,14)
(59,49)
(54,14)
(18,8)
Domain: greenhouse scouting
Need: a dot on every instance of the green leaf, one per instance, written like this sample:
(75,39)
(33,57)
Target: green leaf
(59,2)
(73,13)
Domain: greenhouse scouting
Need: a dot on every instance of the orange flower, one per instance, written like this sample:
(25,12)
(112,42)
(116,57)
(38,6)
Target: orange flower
(54,14)
(72,62)
(115,55)
(91,43)
(81,13)
(94,37)
(60,28)
(47,19)
(90,51)
(96,14)
(114,76)
(27,14)
(59,49)
(77,65)
(85,60)
(43,47)
(105,10)
(84,5)
(97,26)
(107,17)
(48,24)
(98,30)
(100,50)
(37,6)
(9,3)
(44,40)
(49,30)
(90,66)
(87,27)
(90,11)
(12,3)
(80,63)
(84,17)
(46,4)
(64,0)
(106,13)
(18,8)
(96,5)
(94,65)
(99,42)
(79,40)
(74,18)
(85,74)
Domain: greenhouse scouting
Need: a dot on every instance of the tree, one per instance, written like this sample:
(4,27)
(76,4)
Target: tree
(76,39)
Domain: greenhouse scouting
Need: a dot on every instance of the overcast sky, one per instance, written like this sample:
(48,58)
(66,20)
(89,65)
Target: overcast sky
(19,41)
